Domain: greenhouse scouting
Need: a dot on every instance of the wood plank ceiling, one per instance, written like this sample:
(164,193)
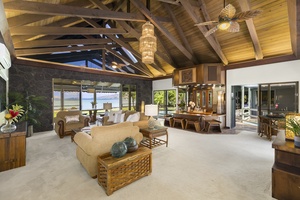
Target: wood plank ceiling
(101,31)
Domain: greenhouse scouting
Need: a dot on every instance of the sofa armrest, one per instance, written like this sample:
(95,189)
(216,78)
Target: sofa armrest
(60,126)
(83,140)
(84,119)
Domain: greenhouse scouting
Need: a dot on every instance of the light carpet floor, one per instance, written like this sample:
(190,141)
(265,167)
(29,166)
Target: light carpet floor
(194,166)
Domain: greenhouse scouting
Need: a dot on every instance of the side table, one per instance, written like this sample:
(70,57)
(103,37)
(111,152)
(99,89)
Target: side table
(115,173)
(13,148)
(150,136)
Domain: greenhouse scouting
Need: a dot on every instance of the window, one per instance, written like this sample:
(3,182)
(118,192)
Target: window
(166,100)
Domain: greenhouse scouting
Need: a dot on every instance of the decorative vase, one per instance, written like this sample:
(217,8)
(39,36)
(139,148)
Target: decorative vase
(280,138)
(297,141)
(8,127)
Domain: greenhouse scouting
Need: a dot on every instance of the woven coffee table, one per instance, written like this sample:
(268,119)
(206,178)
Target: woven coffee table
(150,136)
(115,173)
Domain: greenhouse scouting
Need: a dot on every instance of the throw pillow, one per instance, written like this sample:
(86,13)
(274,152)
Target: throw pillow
(112,114)
(134,117)
(122,117)
(72,118)
(118,117)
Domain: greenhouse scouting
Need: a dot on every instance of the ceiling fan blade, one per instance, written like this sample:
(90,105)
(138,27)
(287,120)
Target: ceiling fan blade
(228,11)
(242,16)
(206,23)
(234,27)
(121,65)
(210,31)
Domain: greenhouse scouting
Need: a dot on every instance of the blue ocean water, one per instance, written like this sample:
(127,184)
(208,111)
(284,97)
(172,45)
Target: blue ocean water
(86,103)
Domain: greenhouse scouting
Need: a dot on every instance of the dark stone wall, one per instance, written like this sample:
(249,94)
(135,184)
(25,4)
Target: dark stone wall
(38,81)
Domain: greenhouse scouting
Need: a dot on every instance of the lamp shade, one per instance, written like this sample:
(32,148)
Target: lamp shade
(151,110)
(107,106)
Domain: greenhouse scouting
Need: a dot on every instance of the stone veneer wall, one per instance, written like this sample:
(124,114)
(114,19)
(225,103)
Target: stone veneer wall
(38,81)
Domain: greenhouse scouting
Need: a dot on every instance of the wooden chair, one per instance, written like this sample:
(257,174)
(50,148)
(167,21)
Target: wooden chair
(180,121)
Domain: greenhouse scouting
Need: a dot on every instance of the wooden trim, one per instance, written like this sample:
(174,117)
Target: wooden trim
(45,64)
(265,61)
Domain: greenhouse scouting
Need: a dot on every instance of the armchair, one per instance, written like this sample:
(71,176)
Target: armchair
(65,121)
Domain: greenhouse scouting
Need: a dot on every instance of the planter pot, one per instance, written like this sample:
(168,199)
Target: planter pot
(29,131)
(297,141)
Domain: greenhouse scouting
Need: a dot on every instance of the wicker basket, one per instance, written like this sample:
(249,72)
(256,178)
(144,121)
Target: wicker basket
(115,173)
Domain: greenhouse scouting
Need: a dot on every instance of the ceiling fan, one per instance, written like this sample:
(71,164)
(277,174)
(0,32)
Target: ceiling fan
(116,65)
(228,20)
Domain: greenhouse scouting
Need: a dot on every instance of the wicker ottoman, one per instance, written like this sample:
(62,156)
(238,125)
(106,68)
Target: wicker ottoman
(115,173)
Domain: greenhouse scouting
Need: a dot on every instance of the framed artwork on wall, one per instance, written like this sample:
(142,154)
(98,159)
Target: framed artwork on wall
(187,76)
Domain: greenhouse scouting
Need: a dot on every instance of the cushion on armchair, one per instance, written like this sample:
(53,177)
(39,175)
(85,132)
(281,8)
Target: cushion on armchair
(72,118)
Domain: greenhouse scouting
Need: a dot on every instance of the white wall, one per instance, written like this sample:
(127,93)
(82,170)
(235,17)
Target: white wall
(271,73)
(164,84)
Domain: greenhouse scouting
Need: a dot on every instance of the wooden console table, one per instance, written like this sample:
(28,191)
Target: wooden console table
(13,148)
(286,171)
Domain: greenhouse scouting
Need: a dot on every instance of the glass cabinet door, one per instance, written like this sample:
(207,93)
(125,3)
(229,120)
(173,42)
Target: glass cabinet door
(203,99)
(210,99)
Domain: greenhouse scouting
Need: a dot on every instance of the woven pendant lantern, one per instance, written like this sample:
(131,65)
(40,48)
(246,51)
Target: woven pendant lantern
(148,43)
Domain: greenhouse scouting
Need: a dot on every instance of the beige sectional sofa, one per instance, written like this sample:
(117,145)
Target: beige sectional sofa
(100,141)
(141,123)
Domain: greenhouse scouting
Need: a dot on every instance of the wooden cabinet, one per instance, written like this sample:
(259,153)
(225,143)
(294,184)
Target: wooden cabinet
(208,73)
(13,149)
(286,171)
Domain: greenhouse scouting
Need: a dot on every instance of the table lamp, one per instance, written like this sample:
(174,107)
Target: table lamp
(151,110)
(107,106)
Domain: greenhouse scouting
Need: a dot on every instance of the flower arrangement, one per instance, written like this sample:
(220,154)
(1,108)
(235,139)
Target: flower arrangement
(14,113)
(192,104)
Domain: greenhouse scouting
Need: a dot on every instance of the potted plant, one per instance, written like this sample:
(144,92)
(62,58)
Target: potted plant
(33,106)
(293,125)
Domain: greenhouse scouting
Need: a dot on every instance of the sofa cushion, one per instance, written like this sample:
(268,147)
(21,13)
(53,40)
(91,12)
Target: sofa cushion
(72,118)
(112,115)
(134,117)
(119,117)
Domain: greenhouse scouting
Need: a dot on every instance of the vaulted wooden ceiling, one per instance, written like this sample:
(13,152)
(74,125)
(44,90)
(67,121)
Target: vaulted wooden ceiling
(101,31)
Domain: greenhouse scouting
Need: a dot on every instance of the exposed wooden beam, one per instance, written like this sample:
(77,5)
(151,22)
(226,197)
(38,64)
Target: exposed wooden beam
(180,32)
(294,22)
(120,42)
(211,40)
(130,31)
(160,27)
(66,42)
(45,64)
(160,40)
(129,61)
(70,11)
(70,21)
(24,19)
(25,52)
(36,30)
(261,62)
(245,6)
